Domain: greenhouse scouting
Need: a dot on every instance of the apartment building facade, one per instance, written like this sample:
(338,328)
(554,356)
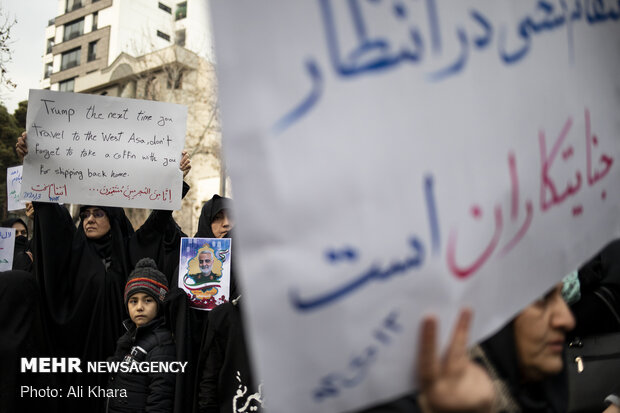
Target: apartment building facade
(146,49)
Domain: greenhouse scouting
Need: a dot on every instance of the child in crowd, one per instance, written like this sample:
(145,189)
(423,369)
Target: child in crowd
(146,340)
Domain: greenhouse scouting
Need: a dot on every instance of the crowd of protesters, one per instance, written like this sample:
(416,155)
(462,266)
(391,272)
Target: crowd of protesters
(104,291)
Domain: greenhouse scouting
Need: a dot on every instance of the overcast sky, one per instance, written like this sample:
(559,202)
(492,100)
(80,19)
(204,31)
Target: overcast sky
(27,44)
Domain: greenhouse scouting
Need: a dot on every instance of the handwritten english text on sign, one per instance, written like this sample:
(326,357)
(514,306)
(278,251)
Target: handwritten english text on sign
(103,150)
(469,155)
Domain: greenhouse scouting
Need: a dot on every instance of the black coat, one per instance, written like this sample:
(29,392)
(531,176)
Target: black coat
(591,313)
(146,392)
(227,378)
(21,335)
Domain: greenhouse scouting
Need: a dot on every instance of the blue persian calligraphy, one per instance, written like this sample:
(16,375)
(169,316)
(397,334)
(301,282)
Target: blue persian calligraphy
(6,234)
(374,54)
(376,272)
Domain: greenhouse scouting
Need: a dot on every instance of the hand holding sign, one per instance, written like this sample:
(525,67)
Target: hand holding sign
(185,163)
(21,147)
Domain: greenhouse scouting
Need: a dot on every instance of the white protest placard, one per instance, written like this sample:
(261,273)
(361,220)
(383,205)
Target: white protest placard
(7,247)
(204,271)
(102,150)
(396,158)
(13,188)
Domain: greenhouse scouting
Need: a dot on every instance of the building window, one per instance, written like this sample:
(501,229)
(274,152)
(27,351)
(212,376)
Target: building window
(73,5)
(181,11)
(165,8)
(179,37)
(67,85)
(73,29)
(163,35)
(95,21)
(48,70)
(50,44)
(92,51)
(70,59)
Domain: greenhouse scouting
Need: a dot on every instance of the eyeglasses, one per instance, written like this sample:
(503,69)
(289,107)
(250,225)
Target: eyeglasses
(97,213)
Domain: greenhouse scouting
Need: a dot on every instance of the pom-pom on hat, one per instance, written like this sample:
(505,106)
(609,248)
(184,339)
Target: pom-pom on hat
(146,278)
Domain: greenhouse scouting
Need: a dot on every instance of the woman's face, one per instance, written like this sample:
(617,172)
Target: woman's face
(222,224)
(95,222)
(540,333)
(20,229)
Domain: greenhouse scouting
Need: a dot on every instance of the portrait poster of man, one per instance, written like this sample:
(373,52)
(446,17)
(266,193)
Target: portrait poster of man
(204,271)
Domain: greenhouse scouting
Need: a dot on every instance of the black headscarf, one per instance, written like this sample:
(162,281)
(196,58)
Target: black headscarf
(105,246)
(547,396)
(209,210)
(8,223)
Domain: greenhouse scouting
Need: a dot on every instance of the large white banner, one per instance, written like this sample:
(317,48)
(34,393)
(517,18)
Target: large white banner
(102,150)
(393,158)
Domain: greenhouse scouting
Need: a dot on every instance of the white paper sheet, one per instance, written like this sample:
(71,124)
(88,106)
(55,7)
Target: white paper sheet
(102,150)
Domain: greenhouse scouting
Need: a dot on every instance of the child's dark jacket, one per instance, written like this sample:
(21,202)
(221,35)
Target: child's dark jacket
(146,392)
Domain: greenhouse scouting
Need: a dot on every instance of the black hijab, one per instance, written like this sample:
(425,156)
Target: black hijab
(109,245)
(8,223)
(209,210)
(547,396)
